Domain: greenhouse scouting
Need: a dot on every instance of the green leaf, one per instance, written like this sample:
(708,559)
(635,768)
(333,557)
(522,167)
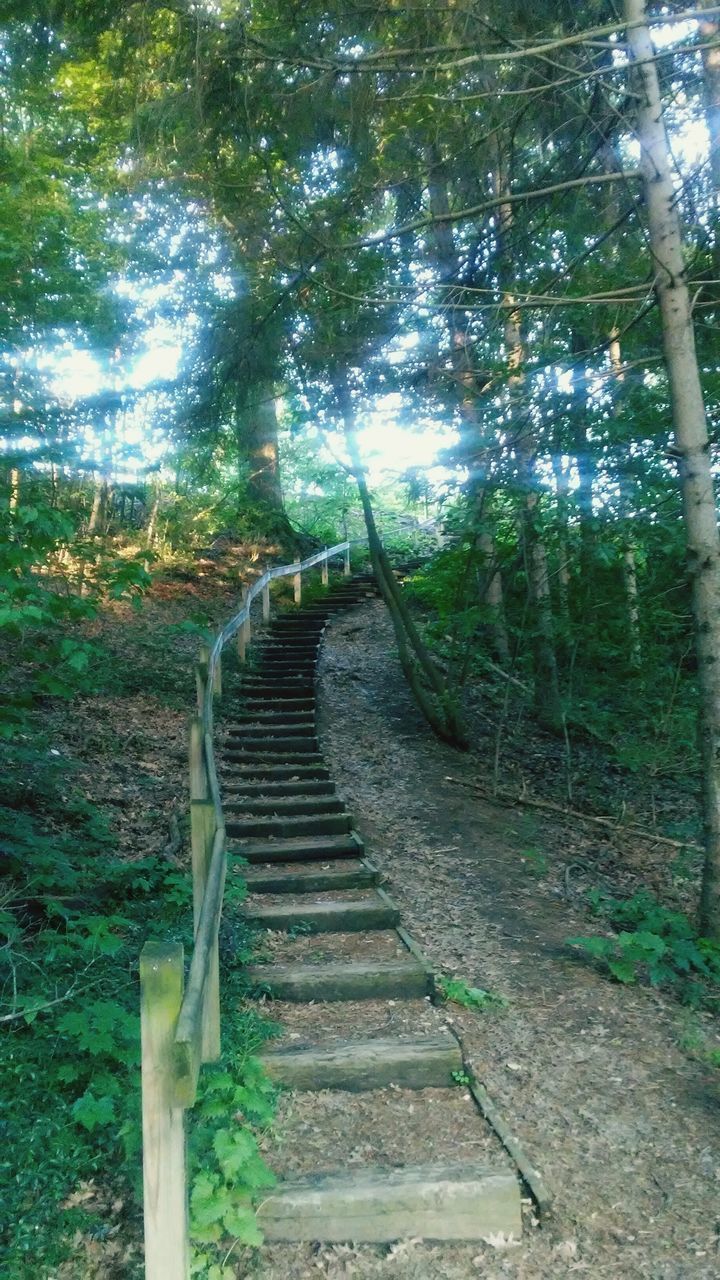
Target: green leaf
(92,1113)
(242,1224)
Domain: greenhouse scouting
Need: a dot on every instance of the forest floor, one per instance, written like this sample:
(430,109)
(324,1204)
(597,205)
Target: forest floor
(623,1122)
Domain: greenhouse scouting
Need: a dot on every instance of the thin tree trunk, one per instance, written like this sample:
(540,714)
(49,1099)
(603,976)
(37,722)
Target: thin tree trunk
(709,30)
(434,702)
(690,435)
(493,596)
(466,382)
(152,522)
(629,561)
(14,489)
(548,703)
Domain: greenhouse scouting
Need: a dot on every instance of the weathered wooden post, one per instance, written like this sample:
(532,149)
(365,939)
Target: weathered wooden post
(198,771)
(201,675)
(346,566)
(164,1178)
(266,602)
(243,632)
(324,568)
(203,825)
(297,585)
(205,663)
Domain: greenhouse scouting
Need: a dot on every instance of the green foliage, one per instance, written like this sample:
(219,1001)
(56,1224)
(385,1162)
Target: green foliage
(460,1078)
(655,943)
(457,991)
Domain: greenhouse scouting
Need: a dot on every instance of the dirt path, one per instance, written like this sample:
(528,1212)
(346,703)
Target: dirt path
(623,1124)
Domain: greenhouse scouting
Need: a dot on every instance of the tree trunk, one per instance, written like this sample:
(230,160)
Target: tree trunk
(261,450)
(466,383)
(548,703)
(493,596)
(690,435)
(709,29)
(433,702)
(152,522)
(629,562)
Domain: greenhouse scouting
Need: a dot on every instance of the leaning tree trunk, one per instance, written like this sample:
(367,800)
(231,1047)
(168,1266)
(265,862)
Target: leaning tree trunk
(419,669)
(690,434)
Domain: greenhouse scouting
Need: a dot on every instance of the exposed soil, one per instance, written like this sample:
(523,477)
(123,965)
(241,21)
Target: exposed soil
(624,1125)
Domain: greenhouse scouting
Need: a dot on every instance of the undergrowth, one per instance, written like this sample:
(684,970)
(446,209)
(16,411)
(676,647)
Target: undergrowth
(654,943)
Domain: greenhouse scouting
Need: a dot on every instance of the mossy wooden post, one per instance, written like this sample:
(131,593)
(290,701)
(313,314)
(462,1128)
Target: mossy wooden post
(204,662)
(198,771)
(324,569)
(297,585)
(203,825)
(201,674)
(164,1178)
(243,633)
(346,565)
(266,602)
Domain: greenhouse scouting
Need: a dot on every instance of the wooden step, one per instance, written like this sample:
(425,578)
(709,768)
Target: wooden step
(358,980)
(291,644)
(410,1062)
(306,849)
(260,689)
(267,771)
(272,729)
(287,828)
(265,790)
(272,706)
(282,716)
(433,1202)
(335,915)
(253,755)
(302,805)
(322,881)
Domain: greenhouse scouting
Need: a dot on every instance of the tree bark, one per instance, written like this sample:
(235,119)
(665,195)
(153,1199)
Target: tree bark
(690,435)
(548,703)
(629,561)
(261,450)
(466,383)
(709,30)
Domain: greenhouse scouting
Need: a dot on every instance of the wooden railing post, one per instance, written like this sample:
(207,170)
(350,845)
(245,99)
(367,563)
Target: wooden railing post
(203,825)
(324,569)
(198,770)
(164,1177)
(346,566)
(243,633)
(266,602)
(297,586)
(201,673)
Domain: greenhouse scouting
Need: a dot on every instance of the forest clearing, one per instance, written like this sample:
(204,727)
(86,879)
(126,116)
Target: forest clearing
(360,640)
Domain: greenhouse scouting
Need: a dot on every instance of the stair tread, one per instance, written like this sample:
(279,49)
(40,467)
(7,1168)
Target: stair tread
(337,915)
(416,1062)
(462,1201)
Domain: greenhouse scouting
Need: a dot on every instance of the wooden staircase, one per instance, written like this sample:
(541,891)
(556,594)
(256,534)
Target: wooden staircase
(309,876)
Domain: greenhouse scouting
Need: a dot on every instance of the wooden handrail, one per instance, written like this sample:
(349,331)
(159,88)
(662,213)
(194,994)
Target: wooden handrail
(181,1031)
